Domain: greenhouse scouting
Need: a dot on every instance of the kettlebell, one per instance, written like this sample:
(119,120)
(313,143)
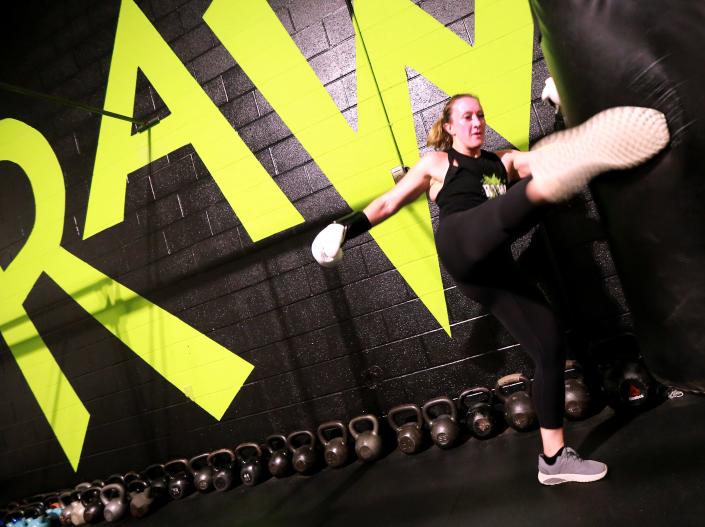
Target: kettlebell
(577,394)
(114,504)
(628,384)
(518,409)
(335,450)
(368,444)
(202,472)
(479,415)
(180,479)
(65,516)
(249,458)
(140,493)
(221,462)
(92,505)
(155,476)
(444,427)
(77,506)
(409,434)
(279,464)
(303,456)
(130,476)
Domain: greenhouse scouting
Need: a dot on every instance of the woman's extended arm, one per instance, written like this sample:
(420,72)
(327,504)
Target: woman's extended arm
(326,247)
(416,181)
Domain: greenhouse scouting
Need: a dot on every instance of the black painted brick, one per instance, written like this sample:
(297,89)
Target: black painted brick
(302,11)
(264,132)
(139,193)
(236,82)
(162,7)
(329,65)
(311,40)
(194,43)
(326,203)
(145,250)
(192,13)
(217,313)
(338,26)
(187,232)
(200,195)
(211,64)
(447,11)
(241,111)
(217,248)
(176,176)
(98,45)
(294,183)
(216,91)
(170,26)
(408,319)
(221,217)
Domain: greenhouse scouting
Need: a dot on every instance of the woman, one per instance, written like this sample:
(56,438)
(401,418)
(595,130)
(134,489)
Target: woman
(480,217)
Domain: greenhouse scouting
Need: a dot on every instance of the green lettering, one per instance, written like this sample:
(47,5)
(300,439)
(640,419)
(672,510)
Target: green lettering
(258,202)
(204,371)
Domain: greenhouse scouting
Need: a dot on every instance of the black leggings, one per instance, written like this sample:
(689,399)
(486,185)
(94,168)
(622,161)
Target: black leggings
(475,247)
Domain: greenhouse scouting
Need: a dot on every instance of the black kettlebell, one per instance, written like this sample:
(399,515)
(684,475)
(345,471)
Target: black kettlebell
(335,450)
(249,457)
(113,496)
(368,443)
(409,434)
(479,415)
(202,472)
(65,515)
(221,462)
(279,464)
(444,426)
(158,482)
(303,456)
(141,499)
(577,394)
(514,391)
(628,384)
(130,476)
(180,479)
(92,505)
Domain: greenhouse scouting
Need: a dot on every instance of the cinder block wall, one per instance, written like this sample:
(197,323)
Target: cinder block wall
(324,343)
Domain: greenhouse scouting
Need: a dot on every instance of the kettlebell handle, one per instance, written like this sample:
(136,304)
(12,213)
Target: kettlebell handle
(366,417)
(180,462)
(243,446)
(507,380)
(89,495)
(404,408)
(329,425)
(219,453)
(198,462)
(482,394)
(273,439)
(311,439)
(117,487)
(439,401)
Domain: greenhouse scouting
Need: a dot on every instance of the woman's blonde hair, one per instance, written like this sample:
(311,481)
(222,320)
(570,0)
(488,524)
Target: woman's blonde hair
(438,138)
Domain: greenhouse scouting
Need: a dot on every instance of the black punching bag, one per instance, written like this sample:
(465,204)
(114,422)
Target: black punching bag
(648,53)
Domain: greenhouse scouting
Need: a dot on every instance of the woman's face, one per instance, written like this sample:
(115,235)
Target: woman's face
(467,124)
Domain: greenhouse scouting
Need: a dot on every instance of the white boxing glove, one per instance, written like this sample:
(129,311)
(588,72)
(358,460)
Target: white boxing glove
(550,93)
(327,246)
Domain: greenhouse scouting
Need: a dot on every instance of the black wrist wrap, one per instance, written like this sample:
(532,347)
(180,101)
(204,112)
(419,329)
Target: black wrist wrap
(355,224)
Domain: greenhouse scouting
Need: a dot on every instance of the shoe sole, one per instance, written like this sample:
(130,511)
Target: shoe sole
(614,139)
(557,479)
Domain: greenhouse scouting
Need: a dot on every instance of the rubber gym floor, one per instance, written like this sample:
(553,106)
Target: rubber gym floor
(657,477)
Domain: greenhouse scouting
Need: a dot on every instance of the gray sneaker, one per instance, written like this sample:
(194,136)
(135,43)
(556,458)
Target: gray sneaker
(570,467)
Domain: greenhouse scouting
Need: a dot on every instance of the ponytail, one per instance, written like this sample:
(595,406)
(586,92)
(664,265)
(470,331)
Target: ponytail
(438,138)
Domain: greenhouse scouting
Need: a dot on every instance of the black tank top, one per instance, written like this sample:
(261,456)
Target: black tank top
(472,182)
